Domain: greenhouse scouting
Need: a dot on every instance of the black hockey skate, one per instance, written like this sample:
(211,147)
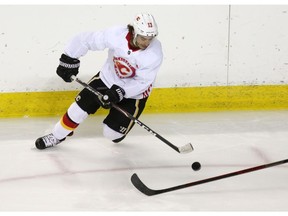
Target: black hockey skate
(48,141)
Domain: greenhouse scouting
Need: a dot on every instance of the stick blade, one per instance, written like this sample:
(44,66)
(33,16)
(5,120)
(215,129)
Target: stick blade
(141,186)
(186,148)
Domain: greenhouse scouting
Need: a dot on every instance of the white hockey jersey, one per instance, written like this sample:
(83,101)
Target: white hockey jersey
(133,70)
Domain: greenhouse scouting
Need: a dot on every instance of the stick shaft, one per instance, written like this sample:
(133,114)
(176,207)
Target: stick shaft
(146,127)
(239,172)
(128,115)
(150,192)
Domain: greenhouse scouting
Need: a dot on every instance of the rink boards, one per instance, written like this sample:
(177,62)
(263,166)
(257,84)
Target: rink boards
(192,99)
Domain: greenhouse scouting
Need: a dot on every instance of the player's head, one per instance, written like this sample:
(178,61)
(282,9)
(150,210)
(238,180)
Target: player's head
(144,24)
(144,29)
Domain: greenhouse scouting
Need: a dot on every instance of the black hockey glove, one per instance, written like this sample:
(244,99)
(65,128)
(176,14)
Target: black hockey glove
(67,67)
(113,95)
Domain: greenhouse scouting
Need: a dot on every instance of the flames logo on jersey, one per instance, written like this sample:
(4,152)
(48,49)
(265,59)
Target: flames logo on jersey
(123,68)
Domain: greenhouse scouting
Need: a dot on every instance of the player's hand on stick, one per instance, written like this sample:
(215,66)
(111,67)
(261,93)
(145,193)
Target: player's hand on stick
(68,67)
(113,95)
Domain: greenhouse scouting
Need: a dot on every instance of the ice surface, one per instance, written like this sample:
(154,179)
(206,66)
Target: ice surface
(89,173)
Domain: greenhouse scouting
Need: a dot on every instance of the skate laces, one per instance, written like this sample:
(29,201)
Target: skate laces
(50,140)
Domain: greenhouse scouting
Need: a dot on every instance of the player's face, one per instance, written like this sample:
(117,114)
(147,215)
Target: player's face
(143,41)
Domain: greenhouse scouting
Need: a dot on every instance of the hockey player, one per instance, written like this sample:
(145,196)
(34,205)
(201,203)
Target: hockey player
(127,77)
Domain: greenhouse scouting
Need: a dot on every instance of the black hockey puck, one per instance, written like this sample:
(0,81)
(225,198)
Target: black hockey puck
(196,166)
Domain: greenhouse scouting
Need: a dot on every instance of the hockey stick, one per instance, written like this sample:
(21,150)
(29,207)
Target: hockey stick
(184,149)
(150,192)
